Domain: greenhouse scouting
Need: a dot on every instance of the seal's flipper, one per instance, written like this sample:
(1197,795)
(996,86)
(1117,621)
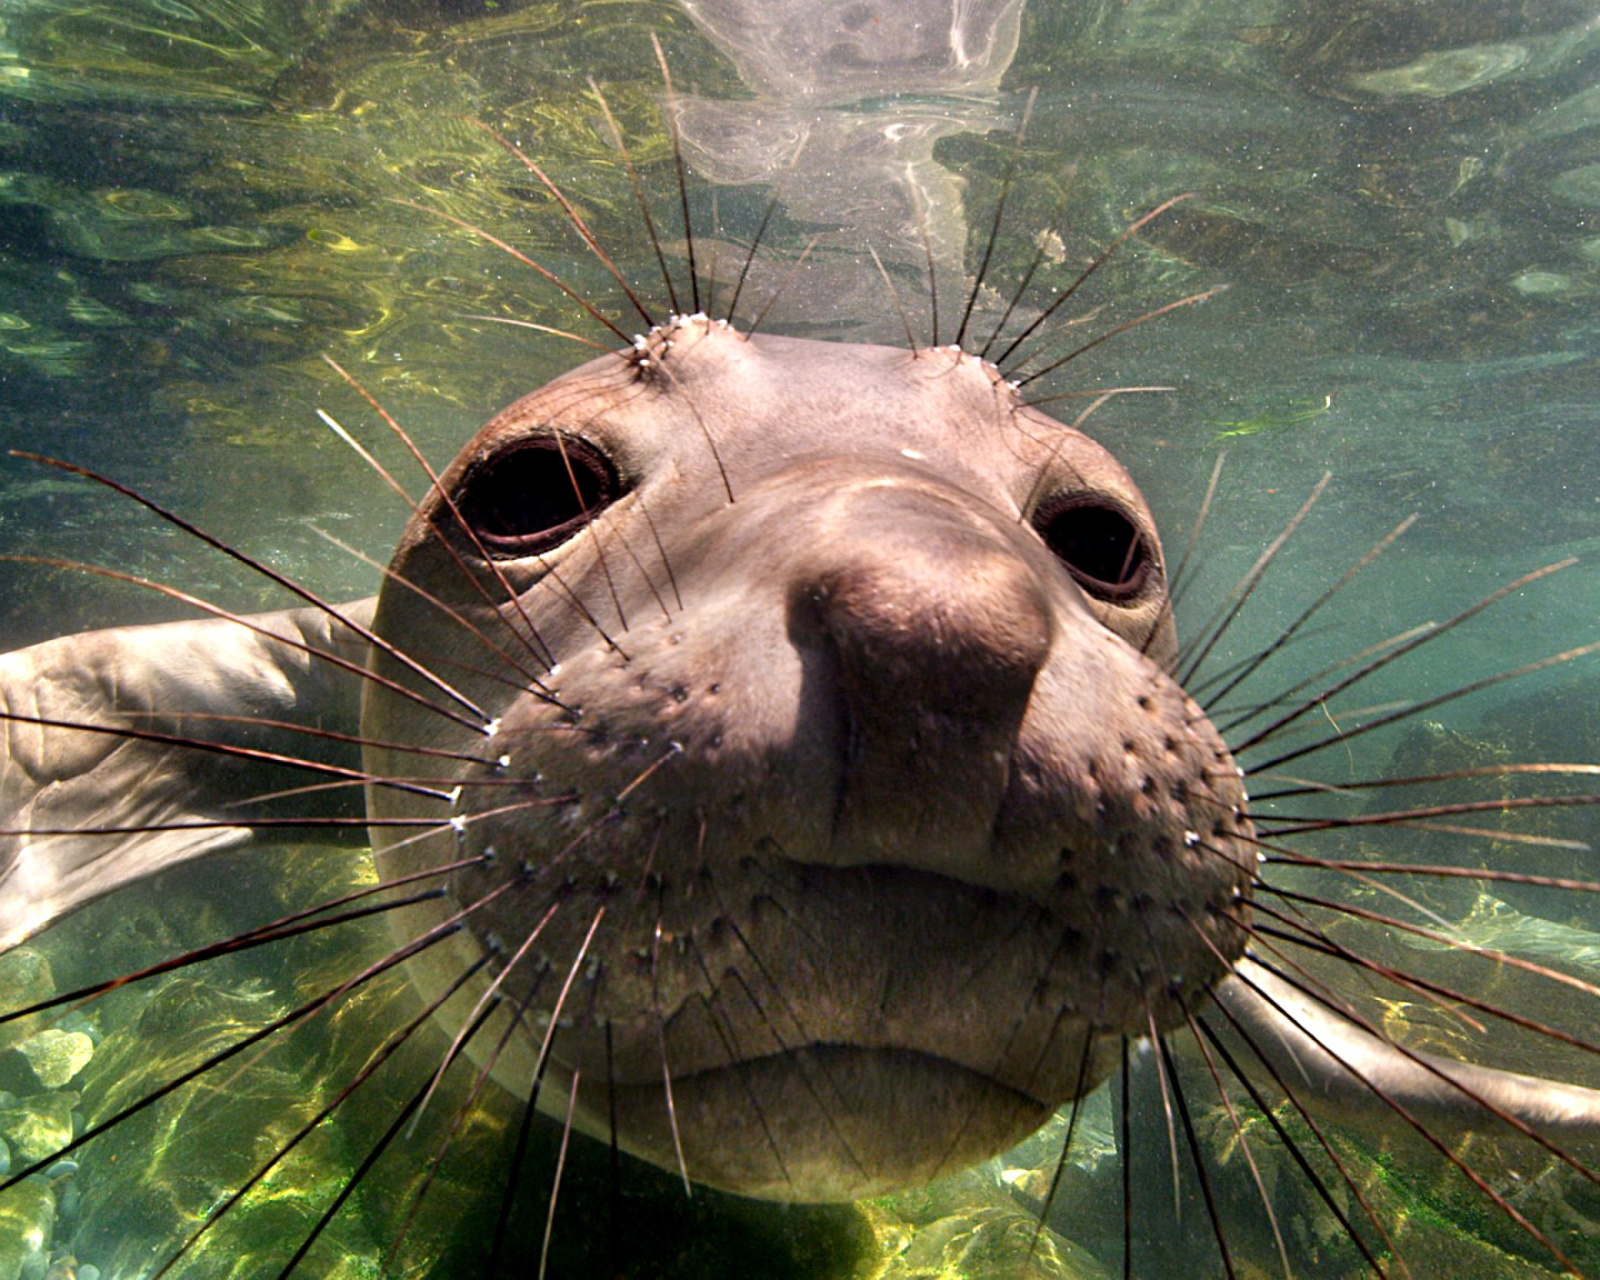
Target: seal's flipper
(153,741)
(1339,1069)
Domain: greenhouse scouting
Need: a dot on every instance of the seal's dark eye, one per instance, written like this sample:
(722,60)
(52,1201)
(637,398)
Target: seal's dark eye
(1100,546)
(536,494)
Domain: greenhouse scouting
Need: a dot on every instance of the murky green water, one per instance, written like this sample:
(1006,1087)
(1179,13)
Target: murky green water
(200,201)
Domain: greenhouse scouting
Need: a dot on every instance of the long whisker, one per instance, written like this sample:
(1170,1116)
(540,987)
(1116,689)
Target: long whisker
(1083,277)
(981,277)
(677,160)
(272,575)
(1444,628)
(1225,616)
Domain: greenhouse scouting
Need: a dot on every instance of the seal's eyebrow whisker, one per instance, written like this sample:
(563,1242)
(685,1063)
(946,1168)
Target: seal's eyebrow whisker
(894,297)
(1021,291)
(381,1055)
(1100,259)
(574,218)
(521,257)
(534,642)
(638,193)
(781,286)
(677,161)
(750,257)
(980,278)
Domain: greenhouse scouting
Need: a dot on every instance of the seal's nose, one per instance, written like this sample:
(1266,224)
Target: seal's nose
(936,630)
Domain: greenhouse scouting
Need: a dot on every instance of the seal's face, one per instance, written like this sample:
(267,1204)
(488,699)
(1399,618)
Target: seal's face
(840,814)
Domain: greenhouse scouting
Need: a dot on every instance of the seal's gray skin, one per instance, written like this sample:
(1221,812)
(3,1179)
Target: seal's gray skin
(813,766)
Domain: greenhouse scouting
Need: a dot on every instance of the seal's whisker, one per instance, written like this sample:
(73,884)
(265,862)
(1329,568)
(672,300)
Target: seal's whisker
(491,994)
(699,418)
(211,1061)
(661,555)
(1410,710)
(980,278)
(806,1038)
(1196,1159)
(1290,1144)
(394,1041)
(293,925)
(355,1179)
(1075,1112)
(534,681)
(1193,656)
(463,1110)
(1415,1124)
(1329,1148)
(573,218)
(1061,299)
(657,1008)
(340,616)
(1241,716)
(1306,787)
(533,640)
(727,1036)
(1241,1137)
(230,750)
(1437,871)
(1431,635)
(1208,698)
(1448,1000)
(1319,993)
(489,238)
(1491,955)
(1179,579)
(677,160)
(1155,313)
(750,257)
(253,624)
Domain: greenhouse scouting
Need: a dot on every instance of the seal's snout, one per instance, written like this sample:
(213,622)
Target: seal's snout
(936,631)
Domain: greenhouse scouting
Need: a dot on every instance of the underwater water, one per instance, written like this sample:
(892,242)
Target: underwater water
(202,202)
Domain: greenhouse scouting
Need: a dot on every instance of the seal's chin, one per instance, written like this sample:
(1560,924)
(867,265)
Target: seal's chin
(826,1123)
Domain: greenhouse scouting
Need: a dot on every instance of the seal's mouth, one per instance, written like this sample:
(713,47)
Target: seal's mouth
(827,1122)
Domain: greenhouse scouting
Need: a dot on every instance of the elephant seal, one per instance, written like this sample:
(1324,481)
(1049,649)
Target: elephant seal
(792,730)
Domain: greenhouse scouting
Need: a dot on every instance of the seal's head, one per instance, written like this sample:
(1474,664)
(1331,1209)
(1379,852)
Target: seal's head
(839,815)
